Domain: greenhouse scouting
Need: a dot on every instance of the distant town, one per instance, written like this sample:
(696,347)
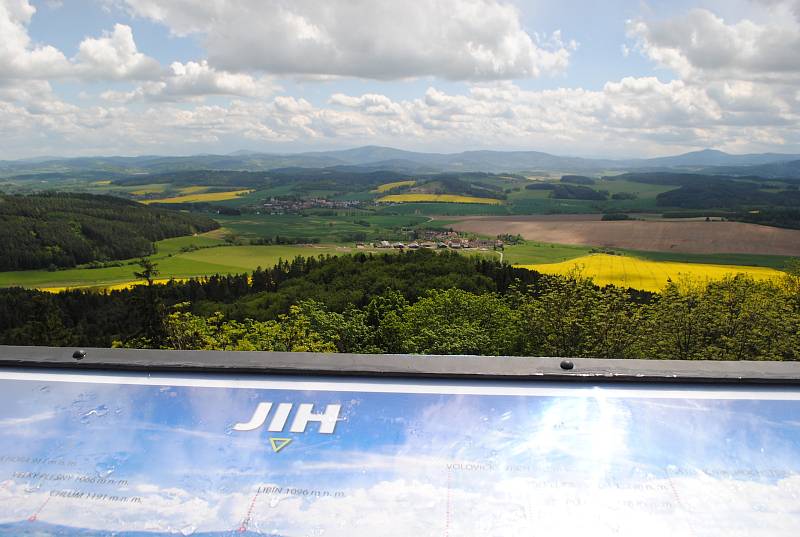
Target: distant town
(440,240)
(275,206)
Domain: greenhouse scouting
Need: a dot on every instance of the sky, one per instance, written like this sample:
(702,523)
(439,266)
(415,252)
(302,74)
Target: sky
(434,458)
(618,78)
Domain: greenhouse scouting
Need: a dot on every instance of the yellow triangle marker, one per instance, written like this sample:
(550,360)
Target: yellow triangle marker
(279,443)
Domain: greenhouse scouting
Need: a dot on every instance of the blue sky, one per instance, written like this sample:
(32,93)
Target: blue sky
(418,459)
(620,78)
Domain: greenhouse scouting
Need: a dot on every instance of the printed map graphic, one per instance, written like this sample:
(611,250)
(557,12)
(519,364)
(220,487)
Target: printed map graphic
(154,457)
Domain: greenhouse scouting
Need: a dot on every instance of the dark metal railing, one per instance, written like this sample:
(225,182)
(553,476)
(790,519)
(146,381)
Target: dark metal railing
(404,365)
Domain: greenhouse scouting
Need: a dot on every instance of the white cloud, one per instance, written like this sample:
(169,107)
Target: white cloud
(792,5)
(194,80)
(733,74)
(372,104)
(641,115)
(16,422)
(736,87)
(455,39)
(114,56)
(702,46)
(429,500)
(19,56)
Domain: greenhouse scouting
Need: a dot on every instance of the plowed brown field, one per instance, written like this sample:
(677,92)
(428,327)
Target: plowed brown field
(658,236)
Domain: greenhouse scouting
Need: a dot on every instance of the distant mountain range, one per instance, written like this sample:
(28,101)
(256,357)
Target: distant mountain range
(387,158)
(712,157)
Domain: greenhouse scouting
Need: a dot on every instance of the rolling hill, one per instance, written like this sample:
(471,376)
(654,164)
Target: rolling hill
(63,230)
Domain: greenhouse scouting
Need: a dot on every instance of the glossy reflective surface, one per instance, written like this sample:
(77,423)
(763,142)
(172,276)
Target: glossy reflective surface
(140,455)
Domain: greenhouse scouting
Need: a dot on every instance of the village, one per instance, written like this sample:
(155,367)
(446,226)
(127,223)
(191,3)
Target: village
(440,240)
(276,206)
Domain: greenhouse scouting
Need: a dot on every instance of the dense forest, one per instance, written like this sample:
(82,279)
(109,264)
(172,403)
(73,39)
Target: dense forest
(577,179)
(698,191)
(679,178)
(727,195)
(455,184)
(419,302)
(776,217)
(55,230)
(577,192)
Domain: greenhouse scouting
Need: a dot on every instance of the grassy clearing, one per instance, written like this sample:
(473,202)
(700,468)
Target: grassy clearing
(538,252)
(643,190)
(643,274)
(247,258)
(326,228)
(778,262)
(446,198)
(181,265)
(177,244)
(207,196)
(391,186)
(534,204)
(524,201)
(170,267)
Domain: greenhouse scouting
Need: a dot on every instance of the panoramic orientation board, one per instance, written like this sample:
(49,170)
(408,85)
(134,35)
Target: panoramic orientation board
(140,454)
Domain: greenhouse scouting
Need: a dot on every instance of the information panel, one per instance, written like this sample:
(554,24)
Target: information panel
(142,455)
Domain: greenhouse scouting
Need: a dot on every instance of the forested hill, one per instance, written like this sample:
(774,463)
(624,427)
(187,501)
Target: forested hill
(63,230)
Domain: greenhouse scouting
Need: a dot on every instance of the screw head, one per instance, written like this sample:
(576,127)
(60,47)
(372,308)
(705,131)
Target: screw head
(79,354)
(567,364)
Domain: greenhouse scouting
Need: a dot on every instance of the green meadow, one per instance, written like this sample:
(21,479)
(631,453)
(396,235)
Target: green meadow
(176,258)
(325,226)
(187,257)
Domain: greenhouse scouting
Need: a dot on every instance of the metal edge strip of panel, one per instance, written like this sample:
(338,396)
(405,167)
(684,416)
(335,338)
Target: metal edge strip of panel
(404,365)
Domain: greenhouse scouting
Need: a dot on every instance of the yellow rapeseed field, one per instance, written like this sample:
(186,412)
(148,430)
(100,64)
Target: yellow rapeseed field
(391,186)
(646,275)
(192,189)
(445,198)
(207,196)
(112,287)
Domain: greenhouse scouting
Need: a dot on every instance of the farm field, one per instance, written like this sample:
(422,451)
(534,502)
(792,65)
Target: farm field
(536,252)
(176,259)
(660,236)
(750,260)
(339,227)
(144,190)
(446,198)
(434,209)
(643,274)
(224,259)
(206,254)
(391,186)
(114,287)
(201,197)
